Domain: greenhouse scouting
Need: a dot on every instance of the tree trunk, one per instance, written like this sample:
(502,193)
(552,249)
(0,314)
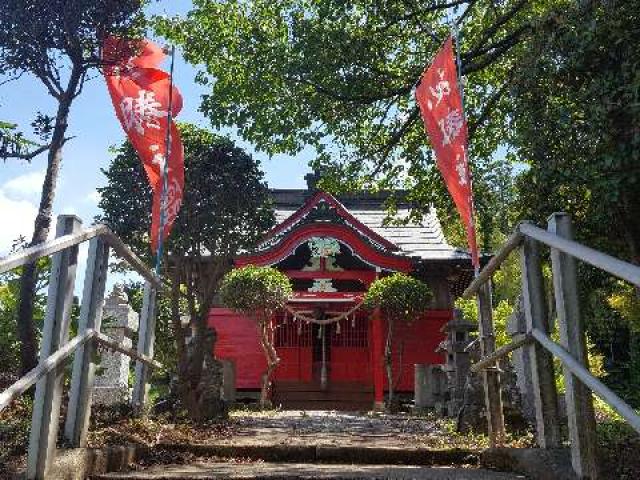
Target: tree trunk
(272,363)
(42,225)
(191,358)
(388,360)
(631,210)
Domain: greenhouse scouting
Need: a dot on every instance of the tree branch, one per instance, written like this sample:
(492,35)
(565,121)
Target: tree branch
(359,99)
(493,29)
(466,12)
(510,40)
(419,11)
(30,155)
(486,111)
(497,52)
(395,139)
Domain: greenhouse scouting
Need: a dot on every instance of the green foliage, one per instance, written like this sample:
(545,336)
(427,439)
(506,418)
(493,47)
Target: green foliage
(225,206)
(255,291)
(13,143)
(9,297)
(225,209)
(39,36)
(339,77)
(506,287)
(399,297)
(576,105)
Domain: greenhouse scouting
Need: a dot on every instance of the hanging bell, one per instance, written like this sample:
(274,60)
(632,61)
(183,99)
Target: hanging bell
(353,321)
(337,328)
(299,327)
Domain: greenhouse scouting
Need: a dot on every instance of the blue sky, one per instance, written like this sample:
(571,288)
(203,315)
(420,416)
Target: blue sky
(95,128)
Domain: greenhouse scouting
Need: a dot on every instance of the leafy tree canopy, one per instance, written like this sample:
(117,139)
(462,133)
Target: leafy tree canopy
(258,292)
(255,291)
(225,209)
(58,42)
(339,76)
(399,296)
(225,206)
(576,111)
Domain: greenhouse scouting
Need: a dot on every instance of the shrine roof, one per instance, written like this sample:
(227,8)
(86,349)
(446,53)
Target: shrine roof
(424,240)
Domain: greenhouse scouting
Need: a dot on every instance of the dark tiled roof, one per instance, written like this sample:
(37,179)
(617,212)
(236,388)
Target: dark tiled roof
(424,240)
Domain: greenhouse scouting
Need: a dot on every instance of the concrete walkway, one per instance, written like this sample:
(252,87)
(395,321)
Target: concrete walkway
(291,471)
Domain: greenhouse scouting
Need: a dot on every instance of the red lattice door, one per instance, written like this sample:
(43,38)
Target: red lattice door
(349,346)
(293,343)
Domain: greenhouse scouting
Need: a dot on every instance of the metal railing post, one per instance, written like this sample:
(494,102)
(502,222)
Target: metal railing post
(146,338)
(46,407)
(578,397)
(490,375)
(77,422)
(545,396)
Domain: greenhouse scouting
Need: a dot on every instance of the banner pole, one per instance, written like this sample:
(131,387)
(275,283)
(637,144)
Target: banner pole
(165,170)
(454,27)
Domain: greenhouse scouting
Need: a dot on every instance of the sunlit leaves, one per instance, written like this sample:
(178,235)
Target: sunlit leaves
(399,297)
(255,291)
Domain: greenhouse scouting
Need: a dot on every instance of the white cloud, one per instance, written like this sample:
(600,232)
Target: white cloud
(94,197)
(17,219)
(25,185)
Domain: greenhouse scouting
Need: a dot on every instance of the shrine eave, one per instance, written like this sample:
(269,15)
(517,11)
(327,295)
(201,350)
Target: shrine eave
(362,247)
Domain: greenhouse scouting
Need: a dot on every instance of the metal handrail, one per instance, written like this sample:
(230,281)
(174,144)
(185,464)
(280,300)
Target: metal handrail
(56,349)
(587,378)
(518,341)
(608,263)
(124,252)
(485,274)
(44,367)
(62,354)
(110,343)
(31,254)
(603,261)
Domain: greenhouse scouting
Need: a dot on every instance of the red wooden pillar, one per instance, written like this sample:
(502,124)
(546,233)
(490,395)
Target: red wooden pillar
(378,368)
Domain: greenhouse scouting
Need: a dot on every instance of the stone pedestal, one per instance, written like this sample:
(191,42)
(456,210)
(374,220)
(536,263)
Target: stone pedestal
(429,385)
(120,323)
(228,381)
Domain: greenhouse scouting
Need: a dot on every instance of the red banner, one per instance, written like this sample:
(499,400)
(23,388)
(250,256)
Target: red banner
(440,102)
(140,95)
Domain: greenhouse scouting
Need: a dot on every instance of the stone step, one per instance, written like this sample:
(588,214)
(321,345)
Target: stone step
(295,471)
(328,404)
(326,454)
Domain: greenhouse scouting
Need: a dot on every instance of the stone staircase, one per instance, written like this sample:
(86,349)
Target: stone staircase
(310,396)
(332,445)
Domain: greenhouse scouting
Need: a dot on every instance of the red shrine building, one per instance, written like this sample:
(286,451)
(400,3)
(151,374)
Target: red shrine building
(330,348)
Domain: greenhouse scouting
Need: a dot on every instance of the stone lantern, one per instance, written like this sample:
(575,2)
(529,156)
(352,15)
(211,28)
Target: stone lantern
(458,358)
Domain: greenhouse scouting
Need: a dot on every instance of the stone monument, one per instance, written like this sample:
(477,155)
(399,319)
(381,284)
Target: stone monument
(119,322)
